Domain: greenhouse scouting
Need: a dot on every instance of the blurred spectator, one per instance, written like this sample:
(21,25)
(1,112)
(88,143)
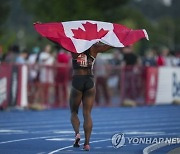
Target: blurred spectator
(46,78)
(34,75)
(172,60)
(129,57)
(33,61)
(12,54)
(166,58)
(117,58)
(63,61)
(33,55)
(22,57)
(161,58)
(114,78)
(169,57)
(131,75)
(46,59)
(177,55)
(101,80)
(149,58)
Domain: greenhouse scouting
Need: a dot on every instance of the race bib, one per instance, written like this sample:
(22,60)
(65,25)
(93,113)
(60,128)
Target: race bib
(82,60)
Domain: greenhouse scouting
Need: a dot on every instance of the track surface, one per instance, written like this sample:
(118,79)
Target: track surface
(50,131)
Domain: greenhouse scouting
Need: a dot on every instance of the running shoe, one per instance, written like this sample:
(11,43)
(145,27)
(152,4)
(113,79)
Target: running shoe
(86,147)
(77,140)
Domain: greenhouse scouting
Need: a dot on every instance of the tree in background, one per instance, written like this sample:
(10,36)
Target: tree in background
(111,11)
(164,17)
(161,21)
(60,10)
(4,11)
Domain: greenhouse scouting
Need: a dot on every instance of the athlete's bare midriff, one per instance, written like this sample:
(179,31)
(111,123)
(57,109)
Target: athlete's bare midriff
(83,71)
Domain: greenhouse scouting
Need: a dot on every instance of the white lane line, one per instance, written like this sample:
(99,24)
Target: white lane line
(65,132)
(97,148)
(12,131)
(70,150)
(154,147)
(67,147)
(26,139)
(61,139)
(109,146)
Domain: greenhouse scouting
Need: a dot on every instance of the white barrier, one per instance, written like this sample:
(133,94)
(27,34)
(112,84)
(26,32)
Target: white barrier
(168,85)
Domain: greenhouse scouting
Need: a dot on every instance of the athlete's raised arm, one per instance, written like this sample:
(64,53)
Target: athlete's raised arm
(100,47)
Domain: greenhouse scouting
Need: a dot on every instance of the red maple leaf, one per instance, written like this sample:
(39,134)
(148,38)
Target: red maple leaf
(90,32)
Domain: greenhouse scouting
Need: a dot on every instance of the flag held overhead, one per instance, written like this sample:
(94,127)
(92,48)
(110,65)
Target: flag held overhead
(78,36)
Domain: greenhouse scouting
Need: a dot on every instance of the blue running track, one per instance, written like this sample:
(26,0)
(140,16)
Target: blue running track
(50,131)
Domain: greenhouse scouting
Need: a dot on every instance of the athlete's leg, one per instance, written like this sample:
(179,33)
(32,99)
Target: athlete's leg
(75,101)
(88,100)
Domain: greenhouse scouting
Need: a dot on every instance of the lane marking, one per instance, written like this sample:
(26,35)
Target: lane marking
(100,122)
(153,147)
(67,147)
(156,146)
(97,148)
(26,139)
(12,131)
(66,132)
(144,133)
(144,125)
(174,151)
(61,139)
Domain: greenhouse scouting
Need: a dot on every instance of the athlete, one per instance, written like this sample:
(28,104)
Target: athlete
(83,90)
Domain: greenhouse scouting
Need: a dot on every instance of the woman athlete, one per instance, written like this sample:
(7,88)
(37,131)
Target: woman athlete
(83,89)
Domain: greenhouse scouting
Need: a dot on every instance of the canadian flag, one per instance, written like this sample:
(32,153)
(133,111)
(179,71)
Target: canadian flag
(78,36)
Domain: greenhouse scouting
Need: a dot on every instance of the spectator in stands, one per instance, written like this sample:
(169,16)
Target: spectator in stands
(46,76)
(117,58)
(169,58)
(115,65)
(101,68)
(33,61)
(22,57)
(63,62)
(12,54)
(130,75)
(161,58)
(149,58)
(129,57)
(166,58)
(34,88)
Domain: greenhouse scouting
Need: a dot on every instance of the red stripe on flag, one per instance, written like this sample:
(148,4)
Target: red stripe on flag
(127,36)
(55,32)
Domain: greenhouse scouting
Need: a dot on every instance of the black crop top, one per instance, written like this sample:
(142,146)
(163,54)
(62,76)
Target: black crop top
(84,60)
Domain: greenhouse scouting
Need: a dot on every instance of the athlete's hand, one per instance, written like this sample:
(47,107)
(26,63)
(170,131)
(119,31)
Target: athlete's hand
(37,22)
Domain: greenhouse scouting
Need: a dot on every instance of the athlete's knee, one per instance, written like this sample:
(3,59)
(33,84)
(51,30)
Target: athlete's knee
(74,112)
(74,108)
(86,114)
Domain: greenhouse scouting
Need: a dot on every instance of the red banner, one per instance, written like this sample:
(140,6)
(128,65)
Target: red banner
(151,85)
(5,75)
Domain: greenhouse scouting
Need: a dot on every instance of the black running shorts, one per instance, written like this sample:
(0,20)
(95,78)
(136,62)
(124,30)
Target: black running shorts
(83,82)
